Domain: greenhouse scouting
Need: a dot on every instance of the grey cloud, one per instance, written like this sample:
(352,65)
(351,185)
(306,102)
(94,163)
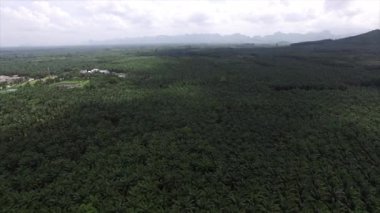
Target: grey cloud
(336,5)
(284,2)
(296,17)
(351,13)
(40,22)
(37,19)
(264,19)
(122,12)
(199,19)
(341,7)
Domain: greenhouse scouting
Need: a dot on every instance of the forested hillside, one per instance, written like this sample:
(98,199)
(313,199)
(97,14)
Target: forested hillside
(190,129)
(367,42)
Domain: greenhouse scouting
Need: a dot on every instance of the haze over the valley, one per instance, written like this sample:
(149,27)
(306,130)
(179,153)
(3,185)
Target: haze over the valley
(51,23)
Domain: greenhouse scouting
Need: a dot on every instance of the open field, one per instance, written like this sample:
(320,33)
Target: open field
(191,129)
(71,84)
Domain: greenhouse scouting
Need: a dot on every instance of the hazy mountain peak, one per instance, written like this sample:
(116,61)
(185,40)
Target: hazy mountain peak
(215,38)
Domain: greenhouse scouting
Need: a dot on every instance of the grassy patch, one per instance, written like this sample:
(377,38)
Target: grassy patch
(71,84)
(8,90)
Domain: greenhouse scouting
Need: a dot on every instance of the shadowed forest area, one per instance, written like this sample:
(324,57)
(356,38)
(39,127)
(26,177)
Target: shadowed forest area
(192,128)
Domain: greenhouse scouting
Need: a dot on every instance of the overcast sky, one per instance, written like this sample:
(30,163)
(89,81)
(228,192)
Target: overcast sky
(77,22)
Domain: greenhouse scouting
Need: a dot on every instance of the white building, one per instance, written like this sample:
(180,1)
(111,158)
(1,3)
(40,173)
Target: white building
(104,71)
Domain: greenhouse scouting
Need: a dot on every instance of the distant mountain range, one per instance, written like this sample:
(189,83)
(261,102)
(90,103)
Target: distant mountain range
(281,38)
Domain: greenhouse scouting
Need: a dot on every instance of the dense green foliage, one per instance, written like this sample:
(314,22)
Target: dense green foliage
(191,129)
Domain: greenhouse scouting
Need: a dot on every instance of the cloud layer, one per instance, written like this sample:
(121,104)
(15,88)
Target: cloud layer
(77,22)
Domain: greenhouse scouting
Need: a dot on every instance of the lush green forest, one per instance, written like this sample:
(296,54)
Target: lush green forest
(191,129)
